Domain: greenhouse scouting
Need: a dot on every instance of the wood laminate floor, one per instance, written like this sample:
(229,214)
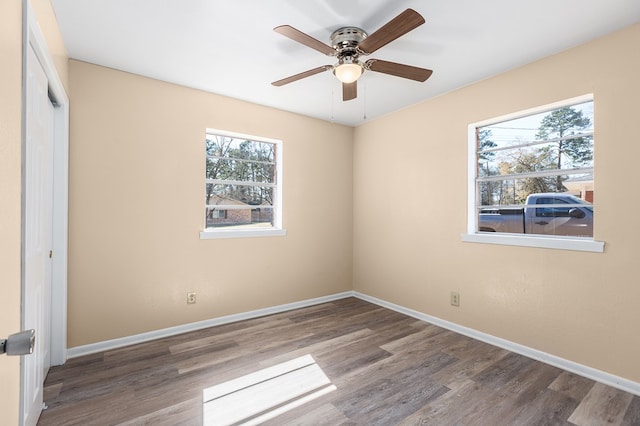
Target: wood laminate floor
(387,368)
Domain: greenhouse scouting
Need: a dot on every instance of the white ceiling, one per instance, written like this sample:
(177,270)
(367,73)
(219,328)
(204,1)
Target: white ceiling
(230,48)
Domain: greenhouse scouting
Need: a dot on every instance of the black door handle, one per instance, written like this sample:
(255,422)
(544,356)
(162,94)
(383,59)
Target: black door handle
(542,222)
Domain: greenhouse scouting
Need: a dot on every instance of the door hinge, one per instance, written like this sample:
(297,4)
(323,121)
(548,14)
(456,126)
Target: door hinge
(50,254)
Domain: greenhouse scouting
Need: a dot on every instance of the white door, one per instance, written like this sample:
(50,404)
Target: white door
(38,196)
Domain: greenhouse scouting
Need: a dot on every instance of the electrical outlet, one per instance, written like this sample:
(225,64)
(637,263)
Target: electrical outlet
(191,298)
(455,298)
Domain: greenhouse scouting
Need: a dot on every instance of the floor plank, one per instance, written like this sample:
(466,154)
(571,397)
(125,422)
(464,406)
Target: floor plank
(388,369)
(572,385)
(602,405)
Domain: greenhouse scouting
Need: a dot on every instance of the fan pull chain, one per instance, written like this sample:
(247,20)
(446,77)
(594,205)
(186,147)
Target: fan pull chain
(364,100)
(332,102)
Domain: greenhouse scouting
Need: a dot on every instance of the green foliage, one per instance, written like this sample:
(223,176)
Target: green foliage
(562,122)
(559,124)
(485,142)
(484,164)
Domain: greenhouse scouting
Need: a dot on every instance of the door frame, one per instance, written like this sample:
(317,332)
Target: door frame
(33,39)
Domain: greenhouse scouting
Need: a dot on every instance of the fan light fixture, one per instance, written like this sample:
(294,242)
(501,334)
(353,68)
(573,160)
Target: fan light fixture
(348,72)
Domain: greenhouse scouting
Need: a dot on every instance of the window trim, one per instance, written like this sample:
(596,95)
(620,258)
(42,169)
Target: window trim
(522,240)
(276,229)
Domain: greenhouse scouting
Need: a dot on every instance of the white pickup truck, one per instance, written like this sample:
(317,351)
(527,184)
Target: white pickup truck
(543,214)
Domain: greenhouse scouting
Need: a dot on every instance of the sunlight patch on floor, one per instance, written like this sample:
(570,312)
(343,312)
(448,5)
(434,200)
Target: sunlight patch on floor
(265,394)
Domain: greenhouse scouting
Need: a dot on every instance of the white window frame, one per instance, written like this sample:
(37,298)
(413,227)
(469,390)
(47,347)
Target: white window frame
(276,229)
(523,240)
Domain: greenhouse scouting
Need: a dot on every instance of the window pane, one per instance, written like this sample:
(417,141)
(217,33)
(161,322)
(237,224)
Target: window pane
(217,217)
(229,147)
(544,159)
(515,191)
(238,195)
(240,170)
(575,222)
(562,155)
(563,122)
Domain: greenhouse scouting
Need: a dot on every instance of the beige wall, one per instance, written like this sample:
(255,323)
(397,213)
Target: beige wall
(10,181)
(10,198)
(579,306)
(136,140)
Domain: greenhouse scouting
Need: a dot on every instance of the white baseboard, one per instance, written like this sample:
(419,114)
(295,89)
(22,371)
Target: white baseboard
(565,364)
(108,345)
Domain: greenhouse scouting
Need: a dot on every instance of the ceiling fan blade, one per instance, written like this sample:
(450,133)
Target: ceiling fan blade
(302,75)
(349,91)
(399,70)
(307,40)
(398,26)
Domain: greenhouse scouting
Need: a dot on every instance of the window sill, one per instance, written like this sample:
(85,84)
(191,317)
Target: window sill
(242,233)
(558,243)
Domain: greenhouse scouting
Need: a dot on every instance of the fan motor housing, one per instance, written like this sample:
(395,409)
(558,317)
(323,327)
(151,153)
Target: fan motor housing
(346,40)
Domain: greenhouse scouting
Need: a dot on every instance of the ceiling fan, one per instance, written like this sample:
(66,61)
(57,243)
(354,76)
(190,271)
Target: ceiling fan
(348,44)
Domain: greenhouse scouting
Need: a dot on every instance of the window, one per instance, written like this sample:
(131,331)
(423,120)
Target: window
(243,178)
(217,214)
(542,157)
